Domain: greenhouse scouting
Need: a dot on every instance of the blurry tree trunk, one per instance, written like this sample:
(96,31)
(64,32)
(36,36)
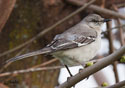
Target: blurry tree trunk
(27,20)
(5,10)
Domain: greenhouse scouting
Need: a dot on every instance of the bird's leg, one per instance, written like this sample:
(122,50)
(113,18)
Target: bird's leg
(68,70)
(69,74)
(85,65)
(82,64)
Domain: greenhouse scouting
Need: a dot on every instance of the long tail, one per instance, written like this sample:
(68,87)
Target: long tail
(38,52)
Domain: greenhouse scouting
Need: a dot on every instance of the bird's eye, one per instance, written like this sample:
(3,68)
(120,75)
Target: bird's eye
(93,20)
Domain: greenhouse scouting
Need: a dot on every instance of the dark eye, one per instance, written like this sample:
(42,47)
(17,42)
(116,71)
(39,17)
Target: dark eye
(93,20)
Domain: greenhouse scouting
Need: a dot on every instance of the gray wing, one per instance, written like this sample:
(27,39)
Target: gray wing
(73,39)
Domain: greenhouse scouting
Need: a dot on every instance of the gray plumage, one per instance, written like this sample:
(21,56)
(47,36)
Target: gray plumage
(78,44)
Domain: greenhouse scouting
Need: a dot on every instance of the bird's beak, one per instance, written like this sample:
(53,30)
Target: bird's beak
(106,20)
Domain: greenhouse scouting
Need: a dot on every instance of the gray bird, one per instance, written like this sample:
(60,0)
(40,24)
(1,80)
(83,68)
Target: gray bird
(76,45)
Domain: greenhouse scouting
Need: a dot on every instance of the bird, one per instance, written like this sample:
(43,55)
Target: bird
(76,45)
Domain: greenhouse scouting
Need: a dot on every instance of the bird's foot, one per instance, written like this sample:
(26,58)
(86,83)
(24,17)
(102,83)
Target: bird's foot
(80,70)
(87,78)
(68,78)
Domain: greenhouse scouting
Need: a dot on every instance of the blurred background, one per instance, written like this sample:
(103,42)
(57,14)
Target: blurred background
(23,26)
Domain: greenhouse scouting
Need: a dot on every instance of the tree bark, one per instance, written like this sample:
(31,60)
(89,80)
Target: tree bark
(5,10)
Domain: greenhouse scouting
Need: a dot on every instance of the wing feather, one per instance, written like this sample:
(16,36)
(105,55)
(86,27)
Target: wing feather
(74,39)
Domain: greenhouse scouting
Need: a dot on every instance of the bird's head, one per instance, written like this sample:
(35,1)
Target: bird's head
(95,21)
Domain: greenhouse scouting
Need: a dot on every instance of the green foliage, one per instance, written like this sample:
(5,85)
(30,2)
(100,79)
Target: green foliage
(122,60)
(89,64)
(104,84)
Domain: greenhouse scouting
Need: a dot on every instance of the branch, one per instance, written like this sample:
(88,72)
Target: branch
(117,85)
(92,69)
(121,26)
(6,8)
(45,63)
(30,70)
(36,66)
(48,29)
(98,9)
(111,48)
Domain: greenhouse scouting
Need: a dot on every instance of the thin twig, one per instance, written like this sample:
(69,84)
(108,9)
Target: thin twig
(98,9)
(30,70)
(92,69)
(45,63)
(117,85)
(111,47)
(36,66)
(109,24)
(49,28)
(121,32)
(107,12)
(120,28)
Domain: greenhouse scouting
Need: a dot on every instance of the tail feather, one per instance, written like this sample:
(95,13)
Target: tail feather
(38,52)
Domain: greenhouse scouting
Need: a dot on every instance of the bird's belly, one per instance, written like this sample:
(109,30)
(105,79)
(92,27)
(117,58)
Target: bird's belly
(79,55)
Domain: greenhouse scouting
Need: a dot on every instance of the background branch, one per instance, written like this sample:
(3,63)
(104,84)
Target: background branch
(98,9)
(6,8)
(36,66)
(117,85)
(111,48)
(30,70)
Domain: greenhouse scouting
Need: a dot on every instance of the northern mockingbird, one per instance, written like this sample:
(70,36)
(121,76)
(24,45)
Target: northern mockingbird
(76,45)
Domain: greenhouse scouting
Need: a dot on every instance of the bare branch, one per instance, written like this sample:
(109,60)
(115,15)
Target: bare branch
(45,63)
(48,29)
(111,47)
(121,26)
(30,70)
(117,85)
(98,9)
(6,8)
(36,66)
(92,69)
